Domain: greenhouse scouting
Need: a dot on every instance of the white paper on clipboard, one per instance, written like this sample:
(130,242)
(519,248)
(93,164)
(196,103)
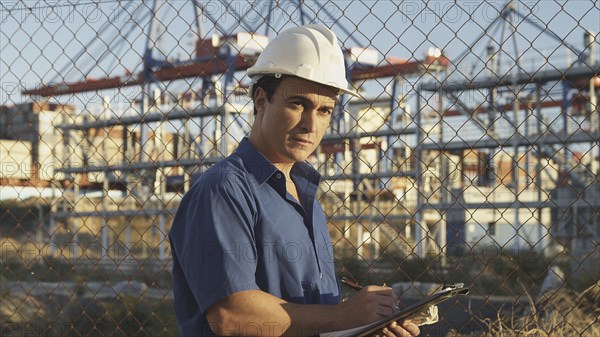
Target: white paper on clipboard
(422,306)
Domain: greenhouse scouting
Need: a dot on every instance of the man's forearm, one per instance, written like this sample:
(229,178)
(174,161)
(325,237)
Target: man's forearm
(256,313)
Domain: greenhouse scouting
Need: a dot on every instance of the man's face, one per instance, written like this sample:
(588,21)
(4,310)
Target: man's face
(290,127)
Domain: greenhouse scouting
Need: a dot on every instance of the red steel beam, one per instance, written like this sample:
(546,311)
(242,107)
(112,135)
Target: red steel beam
(218,65)
(398,68)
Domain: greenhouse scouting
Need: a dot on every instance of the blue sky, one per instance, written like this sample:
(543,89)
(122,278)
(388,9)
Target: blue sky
(41,41)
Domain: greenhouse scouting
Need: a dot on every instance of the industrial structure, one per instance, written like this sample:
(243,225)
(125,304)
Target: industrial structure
(420,171)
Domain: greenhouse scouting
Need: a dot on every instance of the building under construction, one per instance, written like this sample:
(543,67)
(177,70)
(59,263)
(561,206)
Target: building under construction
(417,169)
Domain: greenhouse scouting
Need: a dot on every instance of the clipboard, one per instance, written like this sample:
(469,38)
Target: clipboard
(446,293)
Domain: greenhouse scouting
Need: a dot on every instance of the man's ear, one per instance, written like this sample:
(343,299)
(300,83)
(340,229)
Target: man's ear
(260,100)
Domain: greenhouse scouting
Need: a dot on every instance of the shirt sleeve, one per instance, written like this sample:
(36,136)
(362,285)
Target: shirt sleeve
(213,238)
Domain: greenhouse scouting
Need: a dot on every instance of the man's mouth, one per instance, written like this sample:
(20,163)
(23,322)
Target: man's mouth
(302,141)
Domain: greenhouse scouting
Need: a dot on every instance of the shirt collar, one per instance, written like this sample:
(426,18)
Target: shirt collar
(305,170)
(262,169)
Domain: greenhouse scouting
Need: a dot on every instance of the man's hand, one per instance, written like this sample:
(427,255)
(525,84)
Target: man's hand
(402,329)
(373,303)
(369,305)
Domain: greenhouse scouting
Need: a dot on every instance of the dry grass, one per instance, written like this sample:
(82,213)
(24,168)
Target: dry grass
(558,312)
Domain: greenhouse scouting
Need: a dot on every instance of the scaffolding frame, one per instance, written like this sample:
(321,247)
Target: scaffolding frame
(427,239)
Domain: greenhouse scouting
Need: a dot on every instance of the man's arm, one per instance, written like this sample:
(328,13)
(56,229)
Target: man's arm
(256,313)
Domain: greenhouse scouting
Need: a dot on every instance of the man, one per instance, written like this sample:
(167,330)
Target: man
(251,250)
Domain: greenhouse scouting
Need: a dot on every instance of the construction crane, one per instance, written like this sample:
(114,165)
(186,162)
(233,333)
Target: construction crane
(215,61)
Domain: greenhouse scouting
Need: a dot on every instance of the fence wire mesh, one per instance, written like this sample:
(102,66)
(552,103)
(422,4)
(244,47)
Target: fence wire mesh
(472,154)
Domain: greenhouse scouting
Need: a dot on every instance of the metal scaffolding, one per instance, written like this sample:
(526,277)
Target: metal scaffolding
(390,174)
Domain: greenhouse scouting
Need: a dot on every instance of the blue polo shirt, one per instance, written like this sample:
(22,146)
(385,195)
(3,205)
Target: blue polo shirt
(238,229)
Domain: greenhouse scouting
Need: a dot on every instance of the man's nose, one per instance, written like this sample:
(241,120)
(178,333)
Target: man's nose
(309,120)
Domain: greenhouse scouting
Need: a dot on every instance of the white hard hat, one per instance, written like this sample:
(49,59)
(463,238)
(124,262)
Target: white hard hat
(310,52)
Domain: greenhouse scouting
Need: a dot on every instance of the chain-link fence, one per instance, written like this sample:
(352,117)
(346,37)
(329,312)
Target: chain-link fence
(472,154)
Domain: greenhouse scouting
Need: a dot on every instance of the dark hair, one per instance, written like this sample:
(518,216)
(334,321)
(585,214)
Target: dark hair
(269,84)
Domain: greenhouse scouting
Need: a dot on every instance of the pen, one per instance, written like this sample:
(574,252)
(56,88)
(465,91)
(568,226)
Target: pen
(357,286)
(351,284)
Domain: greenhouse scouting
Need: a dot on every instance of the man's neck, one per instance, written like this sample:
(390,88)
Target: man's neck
(286,168)
(255,140)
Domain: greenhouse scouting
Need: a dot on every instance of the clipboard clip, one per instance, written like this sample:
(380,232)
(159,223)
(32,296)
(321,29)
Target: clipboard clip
(454,286)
